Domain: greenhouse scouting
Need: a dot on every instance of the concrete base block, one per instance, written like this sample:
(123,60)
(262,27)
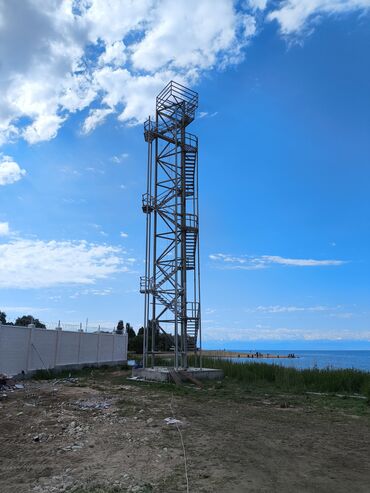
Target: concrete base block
(161,373)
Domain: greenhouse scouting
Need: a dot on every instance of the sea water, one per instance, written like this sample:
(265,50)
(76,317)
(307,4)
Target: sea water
(359,360)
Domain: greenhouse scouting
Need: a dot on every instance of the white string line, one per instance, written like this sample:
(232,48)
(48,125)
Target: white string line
(183,447)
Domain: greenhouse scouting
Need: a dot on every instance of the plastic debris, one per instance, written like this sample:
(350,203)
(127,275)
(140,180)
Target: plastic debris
(172,421)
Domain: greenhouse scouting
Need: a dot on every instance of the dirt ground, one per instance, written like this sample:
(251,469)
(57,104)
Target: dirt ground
(103,433)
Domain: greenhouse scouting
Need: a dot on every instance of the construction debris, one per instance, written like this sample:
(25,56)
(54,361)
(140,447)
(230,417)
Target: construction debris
(94,404)
(9,384)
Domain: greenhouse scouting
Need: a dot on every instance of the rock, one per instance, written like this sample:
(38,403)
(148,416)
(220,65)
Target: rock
(135,489)
(41,437)
(149,420)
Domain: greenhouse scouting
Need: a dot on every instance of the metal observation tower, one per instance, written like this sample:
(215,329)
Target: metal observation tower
(172,282)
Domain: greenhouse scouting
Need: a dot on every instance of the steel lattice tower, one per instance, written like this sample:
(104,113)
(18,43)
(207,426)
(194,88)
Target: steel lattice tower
(172,281)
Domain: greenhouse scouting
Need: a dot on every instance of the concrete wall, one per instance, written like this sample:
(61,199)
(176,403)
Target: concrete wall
(29,349)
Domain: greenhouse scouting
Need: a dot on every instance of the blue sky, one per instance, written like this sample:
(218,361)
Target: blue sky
(284,129)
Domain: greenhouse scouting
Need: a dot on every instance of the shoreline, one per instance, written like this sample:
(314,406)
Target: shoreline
(257,355)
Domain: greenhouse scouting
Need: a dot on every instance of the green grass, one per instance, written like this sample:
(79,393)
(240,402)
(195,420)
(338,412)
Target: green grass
(348,381)
(87,371)
(146,488)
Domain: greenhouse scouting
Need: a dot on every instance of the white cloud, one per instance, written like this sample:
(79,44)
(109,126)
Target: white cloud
(290,309)
(275,259)
(200,42)
(39,264)
(23,309)
(59,57)
(123,235)
(92,292)
(4,229)
(246,262)
(294,15)
(113,56)
(10,171)
(44,127)
(260,333)
(205,114)
(121,157)
(255,4)
(96,117)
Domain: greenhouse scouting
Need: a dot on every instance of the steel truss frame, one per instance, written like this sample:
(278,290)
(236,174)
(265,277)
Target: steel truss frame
(172,277)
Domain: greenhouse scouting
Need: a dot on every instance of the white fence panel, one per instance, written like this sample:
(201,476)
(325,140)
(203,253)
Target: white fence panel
(106,348)
(14,349)
(89,348)
(42,350)
(120,346)
(68,343)
(28,349)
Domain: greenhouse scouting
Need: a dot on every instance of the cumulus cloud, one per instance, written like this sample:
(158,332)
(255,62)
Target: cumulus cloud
(200,43)
(96,117)
(294,15)
(26,263)
(255,4)
(246,262)
(113,56)
(59,57)
(10,171)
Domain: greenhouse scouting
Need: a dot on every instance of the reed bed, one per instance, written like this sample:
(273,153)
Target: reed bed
(291,379)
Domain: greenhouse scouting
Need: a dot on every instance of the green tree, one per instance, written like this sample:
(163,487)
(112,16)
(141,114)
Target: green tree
(2,318)
(27,320)
(120,327)
(132,343)
(137,342)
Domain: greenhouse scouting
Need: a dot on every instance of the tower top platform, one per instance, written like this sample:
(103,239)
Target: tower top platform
(177,95)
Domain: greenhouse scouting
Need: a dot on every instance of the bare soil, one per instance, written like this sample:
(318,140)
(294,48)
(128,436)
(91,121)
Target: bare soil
(102,433)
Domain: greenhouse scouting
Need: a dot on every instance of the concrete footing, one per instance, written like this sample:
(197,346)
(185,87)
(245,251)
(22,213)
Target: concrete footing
(162,373)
